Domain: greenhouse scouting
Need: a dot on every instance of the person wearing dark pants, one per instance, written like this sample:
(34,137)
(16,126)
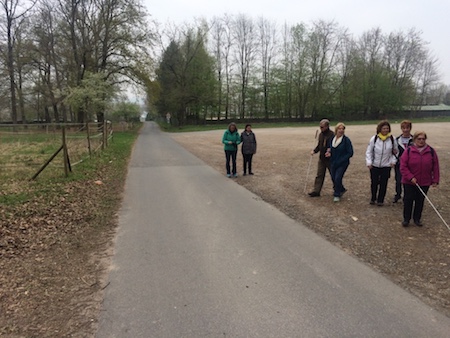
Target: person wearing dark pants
(325,137)
(419,166)
(339,151)
(379,178)
(380,158)
(413,202)
(248,140)
(404,140)
(231,139)
(230,155)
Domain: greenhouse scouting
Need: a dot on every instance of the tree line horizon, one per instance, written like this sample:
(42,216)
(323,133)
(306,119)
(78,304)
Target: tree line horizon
(74,61)
(245,68)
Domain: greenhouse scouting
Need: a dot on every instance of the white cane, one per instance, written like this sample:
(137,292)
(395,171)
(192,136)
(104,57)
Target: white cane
(429,201)
(309,165)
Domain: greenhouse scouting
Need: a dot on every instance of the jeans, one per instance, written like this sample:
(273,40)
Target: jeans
(230,155)
(337,174)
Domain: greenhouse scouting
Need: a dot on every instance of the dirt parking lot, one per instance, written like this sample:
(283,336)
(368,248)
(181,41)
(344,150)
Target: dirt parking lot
(418,259)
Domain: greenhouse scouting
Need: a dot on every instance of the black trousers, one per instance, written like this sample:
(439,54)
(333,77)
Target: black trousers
(247,162)
(398,180)
(413,202)
(379,179)
(230,155)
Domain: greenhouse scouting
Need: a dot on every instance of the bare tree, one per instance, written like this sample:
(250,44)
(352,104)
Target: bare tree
(217,32)
(244,37)
(268,47)
(323,45)
(14,12)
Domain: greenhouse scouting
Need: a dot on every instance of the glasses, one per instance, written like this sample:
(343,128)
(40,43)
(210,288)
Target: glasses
(421,139)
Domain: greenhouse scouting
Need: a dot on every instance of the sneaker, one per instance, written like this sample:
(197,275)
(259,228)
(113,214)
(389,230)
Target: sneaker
(396,199)
(372,202)
(336,199)
(251,173)
(228,175)
(418,223)
(234,175)
(245,174)
(314,194)
(405,223)
(343,192)
(380,204)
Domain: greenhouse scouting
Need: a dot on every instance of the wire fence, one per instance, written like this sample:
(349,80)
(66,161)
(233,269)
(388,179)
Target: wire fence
(28,149)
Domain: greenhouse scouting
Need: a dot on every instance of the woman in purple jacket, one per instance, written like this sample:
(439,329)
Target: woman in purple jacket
(419,166)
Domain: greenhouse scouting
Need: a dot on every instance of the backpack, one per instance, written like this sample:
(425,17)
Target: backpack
(400,149)
(431,150)
(375,141)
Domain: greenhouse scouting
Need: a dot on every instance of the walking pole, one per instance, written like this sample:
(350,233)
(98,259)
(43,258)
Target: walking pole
(309,165)
(429,201)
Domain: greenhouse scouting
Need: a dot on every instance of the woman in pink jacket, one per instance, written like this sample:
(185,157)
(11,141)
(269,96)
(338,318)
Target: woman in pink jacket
(419,166)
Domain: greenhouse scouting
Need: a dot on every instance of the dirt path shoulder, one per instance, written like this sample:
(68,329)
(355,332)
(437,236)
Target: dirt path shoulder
(418,259)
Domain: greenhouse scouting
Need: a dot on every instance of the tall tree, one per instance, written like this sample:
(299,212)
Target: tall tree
(14,12)
(268,46)
(187,78)
(244,36)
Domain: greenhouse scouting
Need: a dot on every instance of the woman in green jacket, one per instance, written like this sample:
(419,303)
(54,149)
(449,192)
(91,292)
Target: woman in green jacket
(231,139)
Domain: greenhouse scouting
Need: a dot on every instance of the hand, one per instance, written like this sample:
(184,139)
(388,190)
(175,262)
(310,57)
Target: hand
(413,180)
(312,152)
(434,185)
(229,142)
(369,166)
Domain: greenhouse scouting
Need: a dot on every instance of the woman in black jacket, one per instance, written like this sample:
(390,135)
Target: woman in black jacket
(248,148)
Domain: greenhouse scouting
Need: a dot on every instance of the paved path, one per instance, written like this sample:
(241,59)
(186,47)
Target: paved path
(197,255)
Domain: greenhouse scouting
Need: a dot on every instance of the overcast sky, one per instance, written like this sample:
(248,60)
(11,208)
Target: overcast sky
(431,17)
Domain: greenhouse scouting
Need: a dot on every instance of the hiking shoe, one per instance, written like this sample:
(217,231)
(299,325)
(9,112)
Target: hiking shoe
(336,199)
(314,194)
(418,223)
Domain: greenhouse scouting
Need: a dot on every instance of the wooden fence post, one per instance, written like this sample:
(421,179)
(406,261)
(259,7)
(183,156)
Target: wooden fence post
(105,135)
(88,139)
(67,167)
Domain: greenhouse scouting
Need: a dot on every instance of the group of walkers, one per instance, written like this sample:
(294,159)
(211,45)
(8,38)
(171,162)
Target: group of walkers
(416,165)
(231,139)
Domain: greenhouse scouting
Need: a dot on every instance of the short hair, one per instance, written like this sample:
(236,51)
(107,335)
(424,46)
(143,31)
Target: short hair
(382,124)
(418,133)
(232,124)
(325,122)
(406,123)
(247,125)
(340,124)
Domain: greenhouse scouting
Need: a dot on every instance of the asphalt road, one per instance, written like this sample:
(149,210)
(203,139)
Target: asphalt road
(197,255)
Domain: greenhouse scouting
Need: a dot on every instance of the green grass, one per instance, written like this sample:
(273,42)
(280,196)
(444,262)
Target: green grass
(191,128)
(15,187)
